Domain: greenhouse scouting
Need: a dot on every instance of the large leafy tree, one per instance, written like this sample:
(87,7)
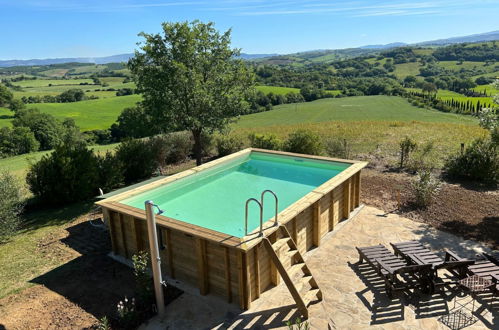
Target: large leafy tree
(191,79)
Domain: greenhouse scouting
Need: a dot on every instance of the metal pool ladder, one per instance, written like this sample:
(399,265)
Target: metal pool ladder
(261,207)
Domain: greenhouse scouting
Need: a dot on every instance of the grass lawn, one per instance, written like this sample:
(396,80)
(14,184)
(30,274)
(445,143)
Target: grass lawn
(22,258)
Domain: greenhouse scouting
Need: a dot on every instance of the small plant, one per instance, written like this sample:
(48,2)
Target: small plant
(265,141)
(304,142)
(407,146)
(337,148)
(425,187)
(423,159)
(127,312)
(298,324)
(227,145)
(142,278)
(104,324)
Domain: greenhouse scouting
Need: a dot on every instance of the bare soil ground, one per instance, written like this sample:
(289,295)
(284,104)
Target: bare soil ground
(467,210)
(75,295)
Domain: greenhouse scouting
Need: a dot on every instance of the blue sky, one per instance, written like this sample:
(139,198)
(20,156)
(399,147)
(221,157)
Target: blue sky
(71,28)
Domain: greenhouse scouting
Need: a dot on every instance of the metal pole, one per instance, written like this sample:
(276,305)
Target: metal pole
(155,259)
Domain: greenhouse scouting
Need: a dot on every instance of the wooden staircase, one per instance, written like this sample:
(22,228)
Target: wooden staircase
(293,270)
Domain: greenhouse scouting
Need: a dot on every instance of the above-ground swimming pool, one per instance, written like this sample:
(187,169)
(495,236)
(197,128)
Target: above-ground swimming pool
(216,198)
(202,232)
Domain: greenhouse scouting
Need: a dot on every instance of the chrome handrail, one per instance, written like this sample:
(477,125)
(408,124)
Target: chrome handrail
(276,203)
(246,216)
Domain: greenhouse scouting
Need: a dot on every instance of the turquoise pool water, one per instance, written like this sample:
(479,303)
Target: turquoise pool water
(215,198)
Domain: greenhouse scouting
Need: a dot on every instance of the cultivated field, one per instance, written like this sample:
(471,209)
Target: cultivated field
(365,108)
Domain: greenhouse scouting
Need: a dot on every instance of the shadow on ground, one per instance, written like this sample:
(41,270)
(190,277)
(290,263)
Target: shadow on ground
(37,218)
(93,281)
(268,319)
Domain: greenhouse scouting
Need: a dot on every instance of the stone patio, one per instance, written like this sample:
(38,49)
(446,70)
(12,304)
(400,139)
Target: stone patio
(354,296)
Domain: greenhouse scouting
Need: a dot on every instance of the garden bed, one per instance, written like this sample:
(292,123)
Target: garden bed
(467,210)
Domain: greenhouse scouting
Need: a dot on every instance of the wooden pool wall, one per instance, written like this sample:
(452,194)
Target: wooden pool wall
(237,269)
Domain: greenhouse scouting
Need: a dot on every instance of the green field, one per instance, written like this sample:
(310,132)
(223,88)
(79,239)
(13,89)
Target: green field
(488,89)
(449,95)
(359,108)
(277,90)
(88,115)
(407,69)
(372,125)
(91,114)
(53,82)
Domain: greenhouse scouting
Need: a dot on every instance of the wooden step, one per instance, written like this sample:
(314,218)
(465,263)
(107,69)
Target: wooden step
(296,274)
(314,295)
(280,242)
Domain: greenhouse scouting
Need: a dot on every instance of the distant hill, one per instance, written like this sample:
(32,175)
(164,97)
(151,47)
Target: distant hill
(488,36)
(324,55)
(97,60)
(94,60)
(391,45)
(246,56)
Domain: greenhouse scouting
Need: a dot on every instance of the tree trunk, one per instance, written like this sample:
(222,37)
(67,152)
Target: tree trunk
(198,150)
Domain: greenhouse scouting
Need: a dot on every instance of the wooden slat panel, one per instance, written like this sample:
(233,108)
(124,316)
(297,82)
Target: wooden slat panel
(112,231)
(346,199)
(123,235)
(316,224)
(202,266)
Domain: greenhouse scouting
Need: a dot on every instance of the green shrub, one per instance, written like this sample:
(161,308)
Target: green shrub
(11,205)
(479,161)
(424,188)
(110,172)
(303,142)
(337,148)
(68,174)
(227,145)
(180,147)
(265,141)
(17,141)
(137,158)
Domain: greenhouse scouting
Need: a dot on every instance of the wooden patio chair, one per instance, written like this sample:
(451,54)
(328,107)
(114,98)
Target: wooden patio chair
(494,258)
(397,273)
(414,252)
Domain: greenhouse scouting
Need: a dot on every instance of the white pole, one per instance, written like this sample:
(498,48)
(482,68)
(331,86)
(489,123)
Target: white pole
(155,259)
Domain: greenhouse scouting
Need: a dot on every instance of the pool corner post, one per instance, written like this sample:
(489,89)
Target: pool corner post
(155,259)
